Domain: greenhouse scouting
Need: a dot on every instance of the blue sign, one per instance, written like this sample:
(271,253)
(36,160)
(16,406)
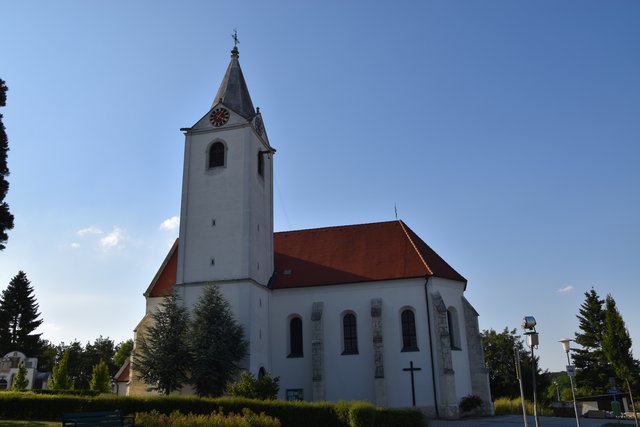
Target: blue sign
(613,391)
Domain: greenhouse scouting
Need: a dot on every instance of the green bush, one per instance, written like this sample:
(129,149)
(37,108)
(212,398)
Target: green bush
(263,388)
(398,417)
(507,406)
(29,406)
(470,402)
(215,419)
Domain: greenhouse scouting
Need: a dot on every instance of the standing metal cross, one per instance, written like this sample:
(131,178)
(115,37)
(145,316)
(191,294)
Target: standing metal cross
(411,369)
(235,38)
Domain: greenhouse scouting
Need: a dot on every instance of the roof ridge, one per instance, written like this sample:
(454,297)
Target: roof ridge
(334,227)
(415,248)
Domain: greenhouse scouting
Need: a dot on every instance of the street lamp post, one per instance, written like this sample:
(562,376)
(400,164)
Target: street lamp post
(571,371)
(529,323)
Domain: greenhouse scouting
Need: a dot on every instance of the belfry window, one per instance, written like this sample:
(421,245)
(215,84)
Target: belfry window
(349,334)
(295,337)
(217,153)
(409,342)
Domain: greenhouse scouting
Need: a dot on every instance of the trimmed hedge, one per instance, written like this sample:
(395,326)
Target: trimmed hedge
(27,405)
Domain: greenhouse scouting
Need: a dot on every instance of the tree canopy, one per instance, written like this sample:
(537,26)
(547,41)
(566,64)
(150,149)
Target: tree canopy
(6,218)
(100,378)
(162,356)
(217,344)
(500,359)
(19,318)
(593,371)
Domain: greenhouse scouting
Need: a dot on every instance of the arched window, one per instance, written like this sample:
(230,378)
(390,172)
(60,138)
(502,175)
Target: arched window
(261,372)
(295,337)
(217,153)
(349,334)
(409,342)
(454,329)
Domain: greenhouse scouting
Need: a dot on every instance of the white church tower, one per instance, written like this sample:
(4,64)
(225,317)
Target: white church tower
(226,219)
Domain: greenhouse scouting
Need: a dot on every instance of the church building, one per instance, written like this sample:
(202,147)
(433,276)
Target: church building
(355,312)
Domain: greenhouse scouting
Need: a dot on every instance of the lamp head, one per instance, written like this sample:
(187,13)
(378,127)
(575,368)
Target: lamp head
(565,344)
(529,322)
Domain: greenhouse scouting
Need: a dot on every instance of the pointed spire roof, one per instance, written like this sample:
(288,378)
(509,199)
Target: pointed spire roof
(233,90)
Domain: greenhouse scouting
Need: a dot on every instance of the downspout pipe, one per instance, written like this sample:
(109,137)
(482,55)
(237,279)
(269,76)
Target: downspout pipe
(433,365)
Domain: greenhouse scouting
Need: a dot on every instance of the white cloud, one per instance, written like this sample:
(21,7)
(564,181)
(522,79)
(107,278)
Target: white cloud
(89,230)
(112,239)
(565,290)
(170,224)
(75,245)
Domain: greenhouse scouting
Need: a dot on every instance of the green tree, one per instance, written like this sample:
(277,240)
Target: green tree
(500,359)
(6,218)
(47,356)
(265,387)
(162,357)
(123,352)
(593,370)
(60,379)
(20,382)
(100,378)
(19,317)
(616,345)
(217,344)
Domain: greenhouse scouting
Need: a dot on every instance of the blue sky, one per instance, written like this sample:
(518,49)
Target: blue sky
(505,132)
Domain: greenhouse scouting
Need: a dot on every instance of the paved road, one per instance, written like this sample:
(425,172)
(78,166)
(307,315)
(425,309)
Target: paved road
(517,421)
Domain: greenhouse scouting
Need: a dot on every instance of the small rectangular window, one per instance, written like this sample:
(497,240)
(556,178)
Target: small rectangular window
(261,163)
(295,394)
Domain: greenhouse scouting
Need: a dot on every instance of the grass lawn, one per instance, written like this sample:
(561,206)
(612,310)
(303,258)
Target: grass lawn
(31,423)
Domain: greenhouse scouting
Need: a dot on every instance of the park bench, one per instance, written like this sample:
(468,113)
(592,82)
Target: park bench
(96,419)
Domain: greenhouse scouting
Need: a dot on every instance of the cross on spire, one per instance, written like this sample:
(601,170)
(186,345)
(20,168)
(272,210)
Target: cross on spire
(235,38)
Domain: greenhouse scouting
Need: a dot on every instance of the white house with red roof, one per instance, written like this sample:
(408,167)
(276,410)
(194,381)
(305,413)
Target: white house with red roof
(367,312)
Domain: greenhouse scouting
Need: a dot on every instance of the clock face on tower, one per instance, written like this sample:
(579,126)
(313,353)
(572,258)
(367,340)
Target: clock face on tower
(219,116)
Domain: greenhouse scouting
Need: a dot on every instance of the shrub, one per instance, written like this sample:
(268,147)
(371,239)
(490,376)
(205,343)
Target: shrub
(215,419)
(507,406)
(470,402)
(263,388)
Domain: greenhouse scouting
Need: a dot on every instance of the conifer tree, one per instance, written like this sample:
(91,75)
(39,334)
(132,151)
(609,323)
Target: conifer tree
(593,369)
(6,218)
(20,382)
(217,344)
(19,318)
(616,346)
(60,379)
(100,380)
(162,357)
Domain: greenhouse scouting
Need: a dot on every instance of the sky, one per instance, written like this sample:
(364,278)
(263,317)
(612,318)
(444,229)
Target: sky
(505,133)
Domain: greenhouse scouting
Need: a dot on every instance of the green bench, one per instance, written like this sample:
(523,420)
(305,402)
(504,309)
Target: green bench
(96,419)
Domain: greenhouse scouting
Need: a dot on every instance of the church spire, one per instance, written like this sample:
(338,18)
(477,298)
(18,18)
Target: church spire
(233,90)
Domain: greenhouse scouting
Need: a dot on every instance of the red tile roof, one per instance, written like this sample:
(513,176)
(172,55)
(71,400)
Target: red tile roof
(166,275)
(124,373)
(354,253)
(337,255)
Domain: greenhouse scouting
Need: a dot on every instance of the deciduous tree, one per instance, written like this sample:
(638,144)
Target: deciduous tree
(123,352)
(6,218)
(162,357)
(500,359)
(217,344)
(19,317)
